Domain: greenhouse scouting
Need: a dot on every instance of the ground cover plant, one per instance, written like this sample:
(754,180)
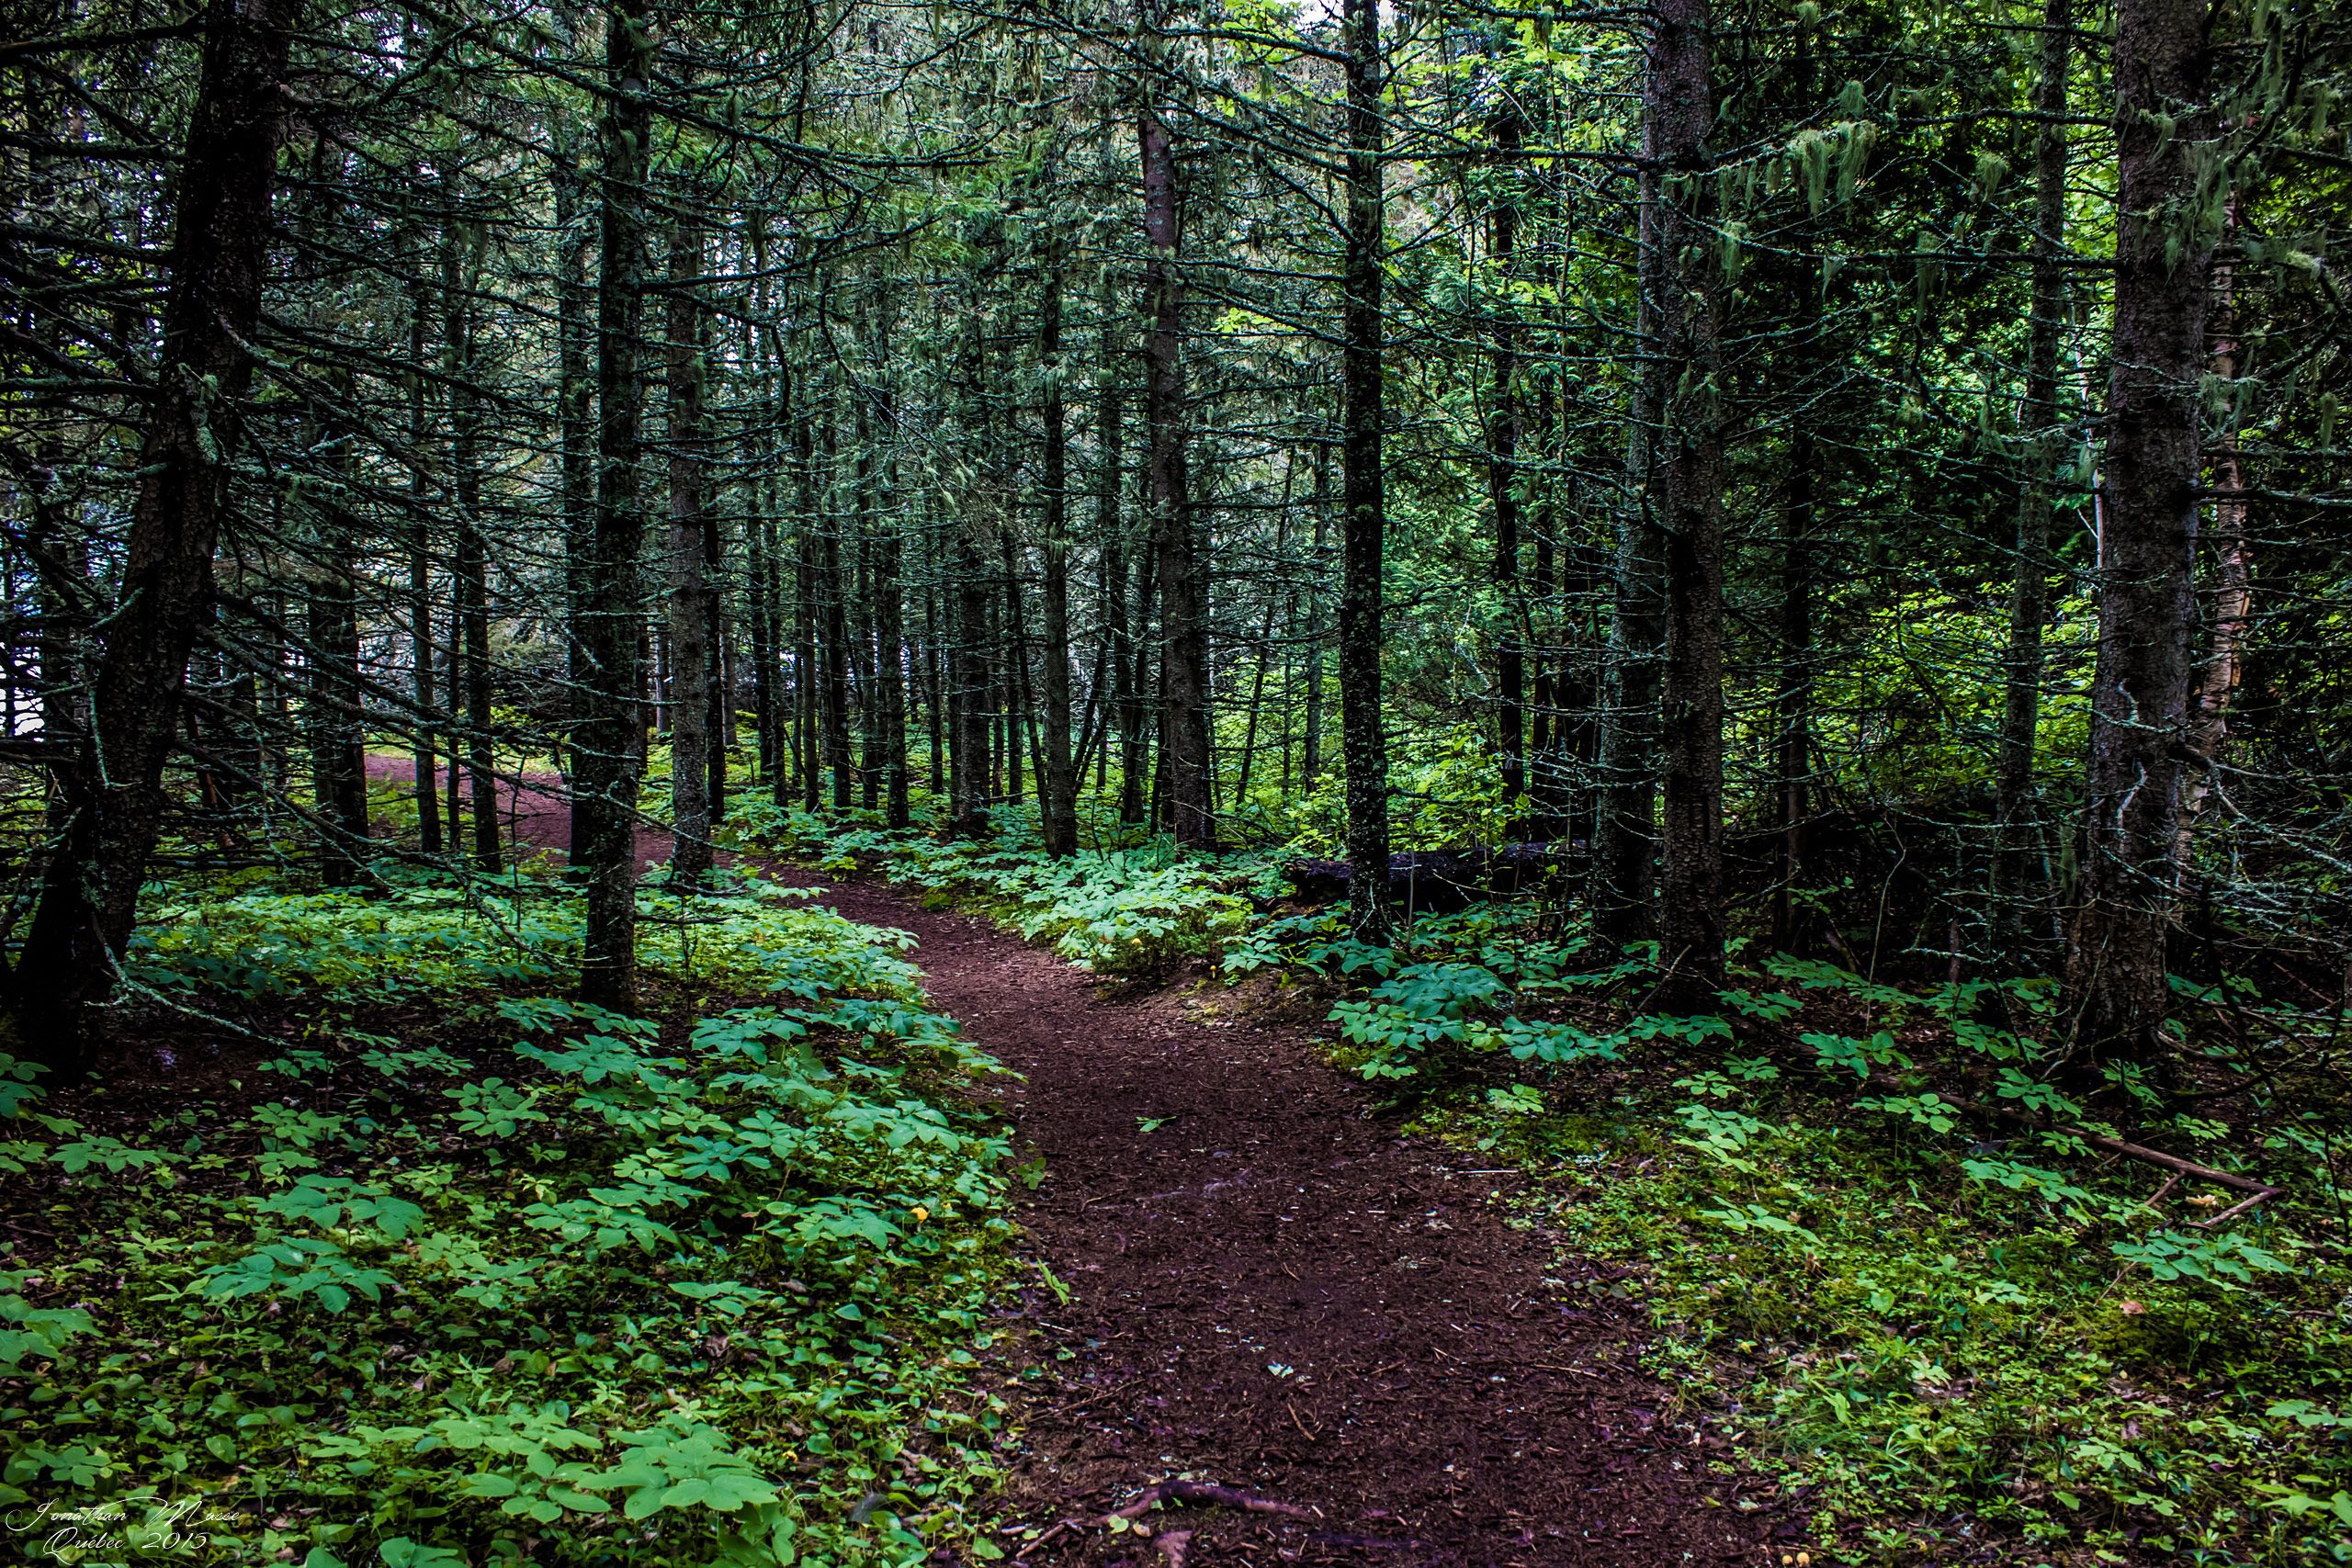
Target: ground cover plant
(1880,1243)
(424,1264)
(1739,610)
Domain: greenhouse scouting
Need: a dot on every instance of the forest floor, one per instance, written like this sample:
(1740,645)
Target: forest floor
(1328,1328)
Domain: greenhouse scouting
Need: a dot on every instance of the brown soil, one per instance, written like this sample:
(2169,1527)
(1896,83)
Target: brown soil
(1272,1292)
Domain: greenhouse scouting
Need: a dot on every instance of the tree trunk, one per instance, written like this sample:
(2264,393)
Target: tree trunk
(718,697)
(1793,719)
(423,686)
(690,584)
(1110,563)
(1310,761)
(1502,477)
(1058,789)
(1623,887)
(338,770)
(1136,764)
(1680,108)
(2018,824)
(2148,607)
(577,432)
(610,754)
(969,780)
(113,782)
(2217,678)
(1362,488)
(1184,668)
(470,647)
(834,621)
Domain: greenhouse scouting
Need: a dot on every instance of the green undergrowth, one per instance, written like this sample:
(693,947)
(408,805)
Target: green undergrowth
(1876,1246)
(1121,912)
(1878,1249)
(397,1257)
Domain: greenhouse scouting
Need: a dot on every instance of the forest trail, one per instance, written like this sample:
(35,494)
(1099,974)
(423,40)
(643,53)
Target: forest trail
(1272,1292)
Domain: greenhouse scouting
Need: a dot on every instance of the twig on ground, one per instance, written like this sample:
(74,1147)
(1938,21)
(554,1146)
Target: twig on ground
(1207,1492)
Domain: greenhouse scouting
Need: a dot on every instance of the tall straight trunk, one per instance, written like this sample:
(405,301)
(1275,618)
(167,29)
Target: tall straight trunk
(690,585)
(2015,890)
(1058,787)
(1680,107)
(1111,561)
(866,643)
(758,567)
(1264,657)
(718,695)
(576,430)
(1183,660)
(934,681)
(1310,760)
(338,770)
(420,593)
(1547,771)
(610,755)
(806,677)
(1136,764)
(471,621)
(2216,679)
(1362,488)
(2147,606)
(1793,717)
(833,605)
(453,672)
(481,760)
(890,669)
(1626,839)
(1016,668)
(113,782)
(968,781)
(765,499)
(1502,479)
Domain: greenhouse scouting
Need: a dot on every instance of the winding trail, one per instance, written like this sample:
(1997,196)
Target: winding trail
(1272,1291)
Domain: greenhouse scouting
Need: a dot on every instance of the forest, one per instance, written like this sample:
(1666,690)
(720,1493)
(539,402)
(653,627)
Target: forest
(838,781)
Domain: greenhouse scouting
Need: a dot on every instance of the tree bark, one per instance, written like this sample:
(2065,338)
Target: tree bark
(113,782)
(1679,105)
(1624,850)
(833,620)
(968,779)
(337,734)
(2147,608)
(2017,823)
(1183,661)
(1793,718)
(610,756)
(576,429)
(1502,477)
(2216,679)
(1362,487)
(690,584)
(470,624)
(1058,789)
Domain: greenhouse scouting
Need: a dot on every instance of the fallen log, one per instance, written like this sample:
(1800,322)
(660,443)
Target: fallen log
(1437,882)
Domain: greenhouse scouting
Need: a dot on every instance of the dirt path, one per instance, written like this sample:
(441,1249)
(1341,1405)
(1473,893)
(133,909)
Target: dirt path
(1272,1292)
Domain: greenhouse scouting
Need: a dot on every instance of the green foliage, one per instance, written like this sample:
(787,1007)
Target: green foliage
(547,1284)
(1919,1315)
(1918,1326)
(1118,912)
